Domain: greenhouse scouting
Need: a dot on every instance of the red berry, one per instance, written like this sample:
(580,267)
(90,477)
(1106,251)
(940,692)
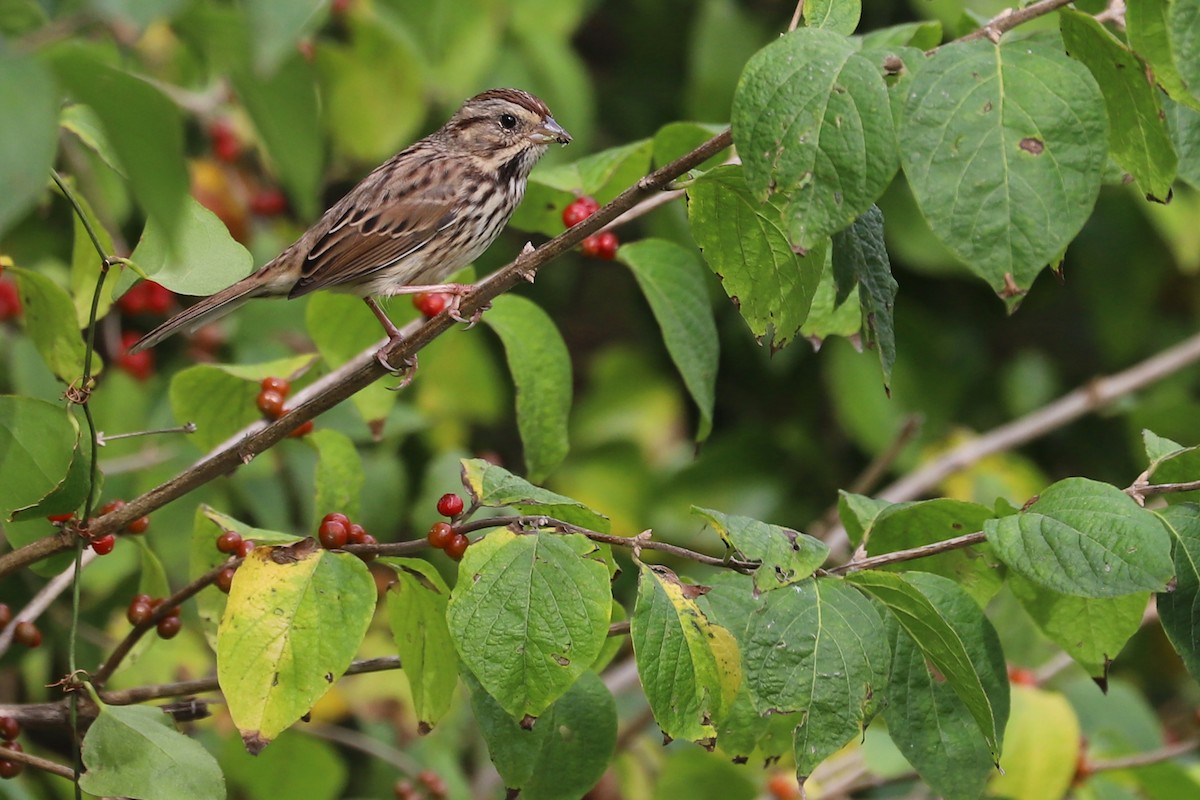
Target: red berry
(104,545)
(245,548)
(224,579)
(111,506)
(440,535)
(229,541)
(169,625)
(368,539)
(10,301)
(433,783)
(138,525)
(133,301)
(336,516)
(60,517)
(139,365)
(450,505)
(356,533)
(457,546)
(340,6)
(280,385)
(139,610)
(268,203)
(782,786)
(304,429)
(333,534)
(225,142)
(9,728)
(10,769)
(27,633)
(270,404)
(430,304)
(602,245)
(1022,676)
(578,210)
(158,298)
(5,615)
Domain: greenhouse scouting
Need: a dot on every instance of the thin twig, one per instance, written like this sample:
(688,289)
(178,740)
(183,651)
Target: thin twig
(42,600)
(1165,753)
(102,438)
(1012,17)
(366,744)
(900,556)
(44,764)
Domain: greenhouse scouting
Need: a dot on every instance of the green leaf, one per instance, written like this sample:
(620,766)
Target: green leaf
(699,775)
(38,440)
(1179,609)
(828,316)
(904,526)
(135,751)
(1183,19)
(295,765)
(786,556)
(416,609)
(860,258)
(86,264)
(942,645)
(672,279)
(1180,465)
(541,371)
(294,620)
(220,398)
(1139,140)
(496,487)
(926,717)
(921,35)
(350,79)
(601,175)
(277,27)
(286,114)
(677,139)
(745,244)
(564,754)
(529,615)
(51,324)
(689,667)
(342,327)
(839,16)
(1091,630)
(1085,538)
(207,525)
(1151,26)
(28,138)
(1003,148)
(340,475)
(858,514)
(798,640)
(1043,738)
(71,492)
(82,121)
(151,149)
(198,258)
(812,124)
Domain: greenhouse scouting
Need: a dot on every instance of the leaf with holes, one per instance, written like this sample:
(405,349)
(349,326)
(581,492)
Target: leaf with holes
(785,556)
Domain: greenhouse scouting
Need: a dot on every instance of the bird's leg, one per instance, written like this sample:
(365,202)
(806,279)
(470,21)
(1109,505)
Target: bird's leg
(409,368)
(457,292)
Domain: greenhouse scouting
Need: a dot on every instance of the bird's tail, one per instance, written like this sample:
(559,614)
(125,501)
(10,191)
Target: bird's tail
(210,308)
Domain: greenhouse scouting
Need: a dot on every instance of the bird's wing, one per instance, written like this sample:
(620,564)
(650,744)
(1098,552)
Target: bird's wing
(379,224)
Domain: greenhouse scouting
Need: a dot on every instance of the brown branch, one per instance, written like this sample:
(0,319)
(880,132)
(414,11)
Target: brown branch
(363,371)
(44,764)
(1165,753)
(900,556)
(1012,17)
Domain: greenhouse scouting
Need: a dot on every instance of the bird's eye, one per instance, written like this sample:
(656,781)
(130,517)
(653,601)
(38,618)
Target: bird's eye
(508,121)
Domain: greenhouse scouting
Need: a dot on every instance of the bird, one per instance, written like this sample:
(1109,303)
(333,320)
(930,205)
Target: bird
(416,219)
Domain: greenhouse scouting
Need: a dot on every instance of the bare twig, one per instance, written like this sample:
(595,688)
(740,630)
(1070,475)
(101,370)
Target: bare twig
(1010,18)
(900,556)
(1165,753)
(42,600)
(44,764)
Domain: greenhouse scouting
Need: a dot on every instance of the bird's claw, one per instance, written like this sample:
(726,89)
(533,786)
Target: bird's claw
(406,372)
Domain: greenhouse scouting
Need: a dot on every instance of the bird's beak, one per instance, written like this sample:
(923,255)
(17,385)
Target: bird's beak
(550,131)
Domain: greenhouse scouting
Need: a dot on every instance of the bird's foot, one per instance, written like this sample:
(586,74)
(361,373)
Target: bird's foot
(406,371)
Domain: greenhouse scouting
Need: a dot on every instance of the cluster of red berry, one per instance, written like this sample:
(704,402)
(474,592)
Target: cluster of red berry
(336,531)
(143,605)
(231,543)
(103,545)
(272,394)
(442,534)
(602,245)
(146,297)
(26,633)
(227,147)
(10,729)
(432,787)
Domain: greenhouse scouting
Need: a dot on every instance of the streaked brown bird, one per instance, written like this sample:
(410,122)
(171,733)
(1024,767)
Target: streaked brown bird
(429,211)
